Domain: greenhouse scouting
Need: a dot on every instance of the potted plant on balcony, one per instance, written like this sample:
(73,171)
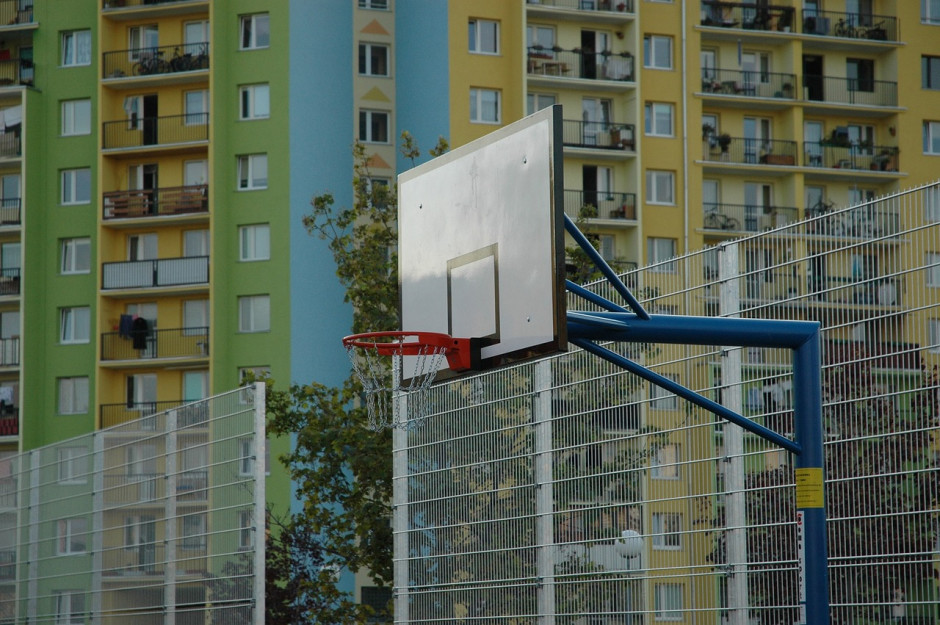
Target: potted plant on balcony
(724,141)
(787,90)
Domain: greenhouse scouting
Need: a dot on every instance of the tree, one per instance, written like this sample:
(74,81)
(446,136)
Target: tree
(342,469)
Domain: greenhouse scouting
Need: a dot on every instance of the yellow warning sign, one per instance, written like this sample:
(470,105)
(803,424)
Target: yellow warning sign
(809,488)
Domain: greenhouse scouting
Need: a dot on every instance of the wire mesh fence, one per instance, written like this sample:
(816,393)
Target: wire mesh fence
(569,491)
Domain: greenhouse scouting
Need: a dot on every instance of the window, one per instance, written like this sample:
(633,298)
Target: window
(657,52)
(668,602)
(661,398)
(73,395)
(196,243)
(660,187)
(254,313)
(195,317)
(247,374)
(69,607)
(658,251)
(665,463)
(374,4)
(930,11)
(860,74)
(658,117)
(73,465)
(194,531)
(76,117)
(255,102)
(196,107)
(75,323)
(255,31)
(76,48)
(246,464)
(373,59)
(254,242)
(70,536)
(76,255)
(933,335)
(666,530)
(932,265)
(76,186)
(253,171)
(930,72)
(932,204)
(484,36)
(141,392)
(538,101)
(931,137)
(246,531)
(373,126)
(484,106)
(540,37)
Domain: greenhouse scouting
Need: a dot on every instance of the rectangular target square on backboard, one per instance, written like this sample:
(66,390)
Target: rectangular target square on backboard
(473,294)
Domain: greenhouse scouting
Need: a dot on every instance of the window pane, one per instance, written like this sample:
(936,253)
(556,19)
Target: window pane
(259,173)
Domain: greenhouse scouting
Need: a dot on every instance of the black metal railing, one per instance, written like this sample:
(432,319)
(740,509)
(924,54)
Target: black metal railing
(10,145)
(850,25)
(749,83)
(10,422)
(752,151)
(10,214)
(188,414)
(9,353)
(850,90)
(174,343)
(599,204)
(580,64)
(184,57)
(859,290)
(618,6)
(121,4)
(13,12)
(147,131)
(850,156)
(747,15)
(747,217)
(135,274)
(862,222)
(10,281)
(152,202)
(16,72)
(604,135)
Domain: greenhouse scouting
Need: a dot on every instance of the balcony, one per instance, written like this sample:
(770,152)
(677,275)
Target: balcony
(156,202)
(556,63)
(759,15)
(10,145)
(598,135)
(824,154)
(17,72)
(16,14)
(155,131)
(9,354)
(856,290)
(881,28)
(10,212)
(10,423)
(189,57)
(188,414)
(146,274)
(133,8)
(736,218)
(9,281)
(837,90)
(726,149)
(175,343)
(750,84)
(600,205)
(863,222)
(585,6)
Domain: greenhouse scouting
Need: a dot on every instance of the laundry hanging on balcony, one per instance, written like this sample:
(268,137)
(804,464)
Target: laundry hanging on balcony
(140,333)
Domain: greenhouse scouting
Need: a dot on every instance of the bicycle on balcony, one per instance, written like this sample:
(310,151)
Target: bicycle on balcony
(719,221)
(151,63)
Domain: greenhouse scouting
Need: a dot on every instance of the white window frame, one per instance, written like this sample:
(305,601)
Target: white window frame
(76,117)
(254,102)
(69,607)
(375,5)
(76,48)
(196,107)
(366,119)
(477,105)
(657,256)
(365,59)
(654,187)
(248,167)
(932,265)
(665,462)
(72,465)
(74,325)
(933,335)
(254,242)
(142,41)
(254,313)
(477,42)
(655,113)
(72,395)
(70,186)
(660,398)
(666,608)
(196,243)
(193,530)
(930,12)
(931,137)
(70,535)
(538,101)
(667,531)
(195,316)
(248,31)
(932,204)
(76,256)
(651,49)
(246,529)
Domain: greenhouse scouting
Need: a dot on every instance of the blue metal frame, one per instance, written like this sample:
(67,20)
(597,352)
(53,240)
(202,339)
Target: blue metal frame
(802,337)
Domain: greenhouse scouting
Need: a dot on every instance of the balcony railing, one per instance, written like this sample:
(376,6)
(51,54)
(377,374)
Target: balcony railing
(851,25)
(137,274)
(580,64)
(747,15)
(619,6)
(852,156)
(751,151)
(749,83)
(747,217)
(175,343)
(10,281)
(859,290)
(10,211)
(16,12)
(188,414)
(120,4)
(10,423)
(850,90)
(863,222)
(600,204)
(17,72)
(603,135)
(187,57)
(9,353)
(154,202)
(10,145)
(149,131)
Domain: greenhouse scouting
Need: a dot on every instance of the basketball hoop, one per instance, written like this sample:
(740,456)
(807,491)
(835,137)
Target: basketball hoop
(378,358)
